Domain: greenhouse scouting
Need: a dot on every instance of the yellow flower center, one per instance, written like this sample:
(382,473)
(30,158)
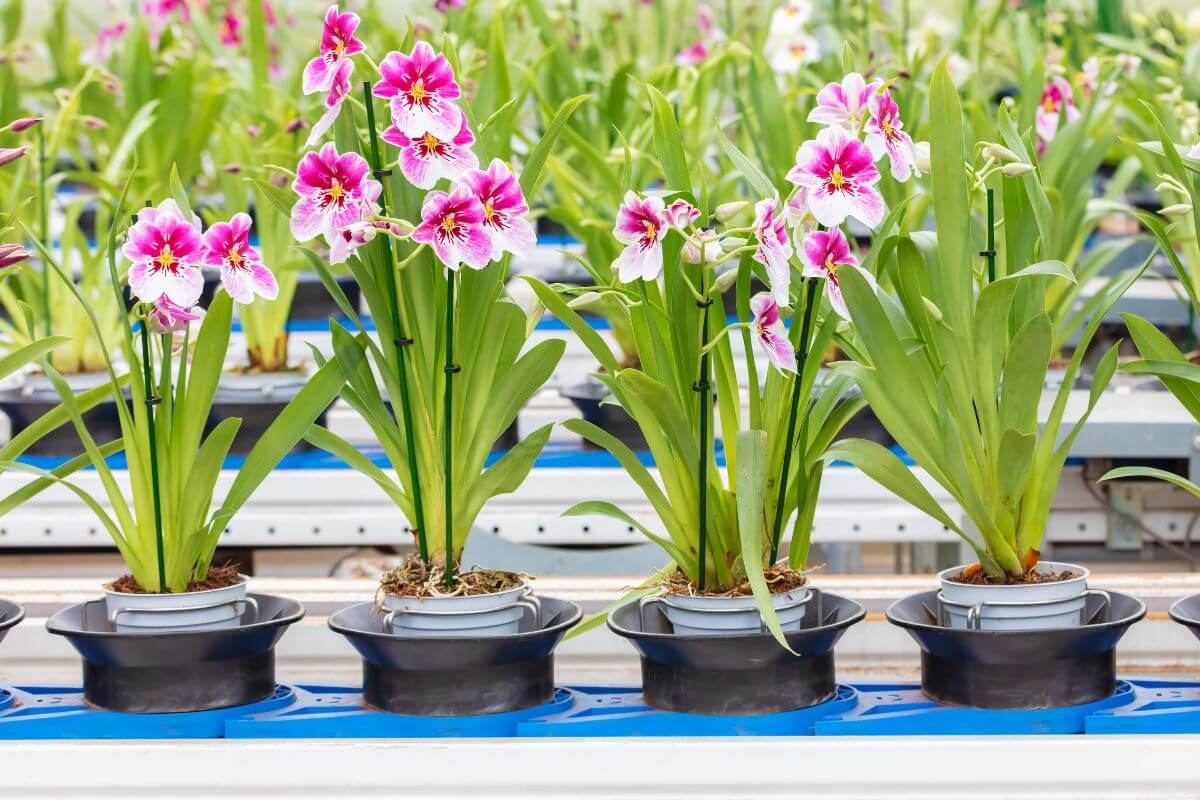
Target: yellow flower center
(489,210)
(235,258)
(888,130)
(836,178)
(448,223)
(430,141)
(1048,104)
(417,92)
(165,259)
(651,231)
(797,50)
(335,190)
(339,48)
(830,267)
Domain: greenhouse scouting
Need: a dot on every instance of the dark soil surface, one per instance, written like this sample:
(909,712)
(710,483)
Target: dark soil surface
(217,578)
(780,579)
(981,578)
(414,578)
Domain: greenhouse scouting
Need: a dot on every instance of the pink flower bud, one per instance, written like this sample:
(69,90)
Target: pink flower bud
(11,154)
(23,124)
(232,169)
(12,254)
(93,123)
(295,125)
(253,131)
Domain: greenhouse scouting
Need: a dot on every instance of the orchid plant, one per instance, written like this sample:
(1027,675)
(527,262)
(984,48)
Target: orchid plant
(955,363)
(167,532)
(446,375)
(724,532)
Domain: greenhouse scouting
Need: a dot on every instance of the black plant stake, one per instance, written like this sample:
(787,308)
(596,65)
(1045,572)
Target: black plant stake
(990,252)
(448,412)
(152,399)
(702,387)
(810,303)
(400,341)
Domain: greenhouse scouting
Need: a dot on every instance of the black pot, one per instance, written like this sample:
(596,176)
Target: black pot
(1018,669)
(154,673)
(10,615)
(27,403)
(460,675)
(609,417)
(1187,613)
(256,400)
(740,674)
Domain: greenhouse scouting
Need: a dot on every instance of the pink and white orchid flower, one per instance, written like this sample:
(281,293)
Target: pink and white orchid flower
(427,158)
(230,29)
(334,189)
(504,209)
(166,317)
(453,225)
(347,240)
(787,56)
(422,89)
(641,226)
(1057,98)
(338,44)
(774,247)
(227,246)
(885,134)
(338,91)
(102,49)
(770,334)
(789,19)
(693,55)
(165,251)
(844,103)
(823,254)
(158,15)
(838,175)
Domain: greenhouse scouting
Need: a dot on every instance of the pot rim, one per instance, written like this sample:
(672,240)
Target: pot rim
(1084,574)
(276,621)
(629,633)
(1176,614)
(243,580)
(570,622)
(749,599)
(18,615)
(1138,613)
(525,585)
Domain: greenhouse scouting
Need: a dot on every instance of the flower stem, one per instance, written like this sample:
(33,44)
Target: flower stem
(45,229)
(704,410)
(400,341)
(152,400)
(448,430)
(793,412)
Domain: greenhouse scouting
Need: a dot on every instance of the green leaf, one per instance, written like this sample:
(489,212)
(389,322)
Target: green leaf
(531,172)
(604,508)
(1155,474)
(753,175)
(668,142)
(751,488)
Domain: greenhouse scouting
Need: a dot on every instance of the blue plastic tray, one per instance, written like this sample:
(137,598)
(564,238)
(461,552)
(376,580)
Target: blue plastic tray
(1158,706)
(607,711)
(39,712)
(891,709)
(331,712)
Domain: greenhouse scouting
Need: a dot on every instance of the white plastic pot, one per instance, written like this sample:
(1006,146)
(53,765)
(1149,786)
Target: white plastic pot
(181,611)
(730,616)
(1033,606)
(494,614)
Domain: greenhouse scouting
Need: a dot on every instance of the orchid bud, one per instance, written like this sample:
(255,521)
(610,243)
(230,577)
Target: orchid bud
(923,160)
(295,125)
(22,124)
(112,86)
(585,300)
(93,123)
(1177,210)
(999,152)
(933,310)
(253,131)
(13,254)
(731,243)
(727,211)
(231,169)
(1016,170)
(725,280)
(278,180)
(11,154)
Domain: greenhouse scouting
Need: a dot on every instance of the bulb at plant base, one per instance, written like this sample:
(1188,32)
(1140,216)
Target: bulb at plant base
(338,44)
(770,335)
(844,103)
(453,225)
(823,254)
(165,252)
(427,158)
(838,175)
(886,135)
(641,226)
(422,89)
(774,247)
(339,90)
(227,246)
(504,209)
(334,190)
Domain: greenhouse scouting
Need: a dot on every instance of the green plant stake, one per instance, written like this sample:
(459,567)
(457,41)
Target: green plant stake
(448,443)
(990,253)
(810,300)
(401,341)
